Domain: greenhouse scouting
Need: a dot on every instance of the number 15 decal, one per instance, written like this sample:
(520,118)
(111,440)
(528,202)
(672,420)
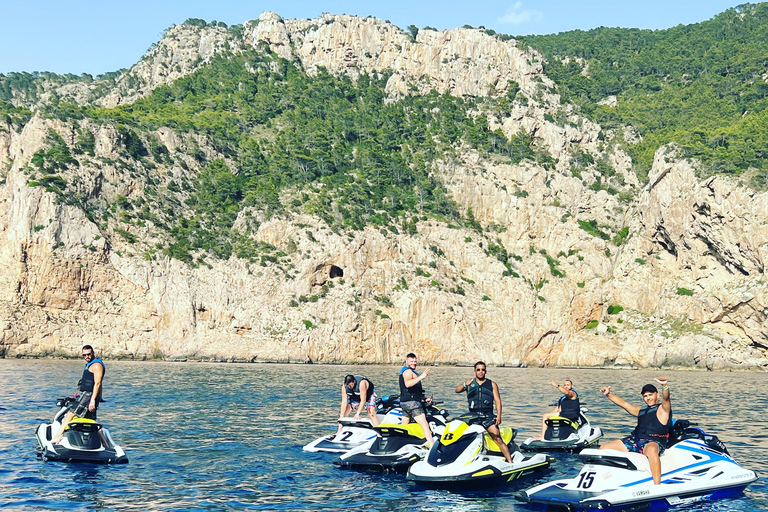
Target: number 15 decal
(586,480)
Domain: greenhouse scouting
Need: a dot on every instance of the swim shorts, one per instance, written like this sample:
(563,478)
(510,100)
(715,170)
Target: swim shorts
(636,445)
(80,406)
(411,409)
(370,405)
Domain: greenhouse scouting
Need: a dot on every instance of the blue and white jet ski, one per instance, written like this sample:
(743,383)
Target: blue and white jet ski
(354,432)
(466,457)
(84,440)
(563,434)
(695,467)
(397,446)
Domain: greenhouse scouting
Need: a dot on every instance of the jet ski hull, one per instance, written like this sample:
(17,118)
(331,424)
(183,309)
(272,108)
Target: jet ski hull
(574,439)
(396,447)
(466,458)
(93,444)
(695,468)
(485,472)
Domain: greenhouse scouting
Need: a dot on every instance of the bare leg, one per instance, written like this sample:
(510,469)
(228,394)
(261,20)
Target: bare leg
(544,418)
(614,445)
(421,419)
(346,413)
(651,450)
(67,418)
(372,416)
(493,430)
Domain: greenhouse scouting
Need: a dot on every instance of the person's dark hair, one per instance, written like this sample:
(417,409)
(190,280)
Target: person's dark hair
(569,380)
(87,347)
(480,362)
(349,378)
(410,355)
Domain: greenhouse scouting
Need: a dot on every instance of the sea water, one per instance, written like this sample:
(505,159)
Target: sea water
(205,436)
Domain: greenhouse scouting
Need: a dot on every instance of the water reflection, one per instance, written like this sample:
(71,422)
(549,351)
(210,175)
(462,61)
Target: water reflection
(229,437)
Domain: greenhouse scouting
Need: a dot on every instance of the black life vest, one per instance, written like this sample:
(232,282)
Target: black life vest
(649,426)
(414,393)
(87,381)
(480,396)
(354,395)
(570,408)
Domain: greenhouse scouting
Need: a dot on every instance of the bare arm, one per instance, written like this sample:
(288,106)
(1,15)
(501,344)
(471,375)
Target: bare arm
(497,402)
(98,375)
(463,386)
(343,407)
(567,392)
(664,412)
(631,409)
(363,394)
(411,379)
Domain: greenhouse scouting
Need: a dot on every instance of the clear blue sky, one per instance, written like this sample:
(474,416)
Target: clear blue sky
(86,36)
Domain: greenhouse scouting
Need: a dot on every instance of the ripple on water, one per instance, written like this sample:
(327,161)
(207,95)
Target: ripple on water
(229,437)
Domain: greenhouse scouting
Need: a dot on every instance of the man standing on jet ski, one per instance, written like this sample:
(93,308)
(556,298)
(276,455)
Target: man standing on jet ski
(89,392)
(568,405)
(653,423)
(357,394)
(482,395)
(411,395)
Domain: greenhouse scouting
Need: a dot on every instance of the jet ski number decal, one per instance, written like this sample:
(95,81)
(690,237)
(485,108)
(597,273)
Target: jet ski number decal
(345,436)
(586,480)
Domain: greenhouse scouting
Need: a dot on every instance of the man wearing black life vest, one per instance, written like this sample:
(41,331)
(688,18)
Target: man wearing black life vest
(89,392)
(653,423)
(357,394)
(412,394)
(568,405)
(482,395)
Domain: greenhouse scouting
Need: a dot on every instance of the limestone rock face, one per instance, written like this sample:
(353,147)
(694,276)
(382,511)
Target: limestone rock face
(673,277)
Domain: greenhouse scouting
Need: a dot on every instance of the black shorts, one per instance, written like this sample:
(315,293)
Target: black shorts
(80,406)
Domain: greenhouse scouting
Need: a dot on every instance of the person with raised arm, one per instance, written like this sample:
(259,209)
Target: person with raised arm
(412,394)
(654,420)
(482,395)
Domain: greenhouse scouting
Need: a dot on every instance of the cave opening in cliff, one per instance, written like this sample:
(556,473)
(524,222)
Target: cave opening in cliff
(336,272)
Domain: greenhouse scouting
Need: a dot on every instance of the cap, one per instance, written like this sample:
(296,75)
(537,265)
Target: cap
(649,388)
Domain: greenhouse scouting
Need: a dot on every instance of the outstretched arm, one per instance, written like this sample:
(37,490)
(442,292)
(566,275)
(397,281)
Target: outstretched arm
(567,392)
(664,412)
(463,386)
(343,407)
(411,379)
(631,409)
(363,394)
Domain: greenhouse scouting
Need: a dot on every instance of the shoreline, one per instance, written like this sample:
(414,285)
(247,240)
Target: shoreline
(254,360)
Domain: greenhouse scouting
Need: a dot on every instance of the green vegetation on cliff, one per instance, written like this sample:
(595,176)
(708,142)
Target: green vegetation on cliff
(340,148)
(702,86)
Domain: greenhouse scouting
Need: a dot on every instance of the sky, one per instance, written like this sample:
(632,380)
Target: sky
(85,36)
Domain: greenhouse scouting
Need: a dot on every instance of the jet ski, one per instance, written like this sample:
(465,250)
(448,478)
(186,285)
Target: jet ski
(466,457)
(565,434)
(396,446)
(354,432)
(84,440)
(695,467)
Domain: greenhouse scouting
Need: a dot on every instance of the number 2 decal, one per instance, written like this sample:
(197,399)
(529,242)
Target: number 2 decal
(586,480)
(345,437)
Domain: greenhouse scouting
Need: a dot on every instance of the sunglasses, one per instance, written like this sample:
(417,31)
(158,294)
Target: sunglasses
(89,354)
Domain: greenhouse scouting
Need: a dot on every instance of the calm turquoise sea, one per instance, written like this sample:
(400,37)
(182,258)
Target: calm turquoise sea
(228,436)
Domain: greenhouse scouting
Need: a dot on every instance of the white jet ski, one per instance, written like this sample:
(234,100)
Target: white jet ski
(396,446)
(466,457)
(563,434)
(84,440)
(354,432)
(695,467)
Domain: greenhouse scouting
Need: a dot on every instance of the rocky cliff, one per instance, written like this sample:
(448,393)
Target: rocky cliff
(677,280)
